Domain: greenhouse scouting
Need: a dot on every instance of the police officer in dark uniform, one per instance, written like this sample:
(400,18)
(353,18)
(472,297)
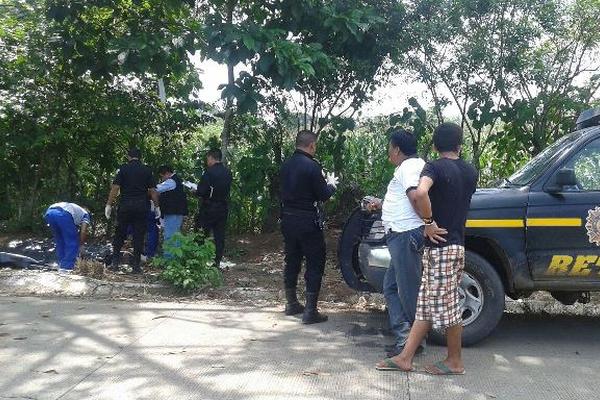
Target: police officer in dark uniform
(303,189)
(213,190)
(135,182)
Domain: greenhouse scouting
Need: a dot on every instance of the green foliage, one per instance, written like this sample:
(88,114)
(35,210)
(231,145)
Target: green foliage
(66,132)
(118,37)
(191,265)
(78,84)
(517,71)
(330,52)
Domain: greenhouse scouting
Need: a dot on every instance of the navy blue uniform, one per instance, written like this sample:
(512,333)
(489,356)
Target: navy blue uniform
(213,190)
(303,187)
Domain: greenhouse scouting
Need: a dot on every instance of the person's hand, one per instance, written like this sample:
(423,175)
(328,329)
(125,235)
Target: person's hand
(332,180)
(157,213)
(190,185)
(107,211)
(435,233)
(374,205)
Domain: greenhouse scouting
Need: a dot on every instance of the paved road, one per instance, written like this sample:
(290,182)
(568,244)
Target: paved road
(79,349)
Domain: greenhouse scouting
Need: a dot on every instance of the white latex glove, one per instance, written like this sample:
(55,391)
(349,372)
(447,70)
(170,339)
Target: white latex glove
(107,211)
(157,213)
(332,180)
(190,185)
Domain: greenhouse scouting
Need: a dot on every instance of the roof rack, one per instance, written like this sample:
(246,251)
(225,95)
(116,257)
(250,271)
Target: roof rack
(588,118)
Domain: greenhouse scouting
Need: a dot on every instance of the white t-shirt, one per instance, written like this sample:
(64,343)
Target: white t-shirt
(79,214)
(397,212)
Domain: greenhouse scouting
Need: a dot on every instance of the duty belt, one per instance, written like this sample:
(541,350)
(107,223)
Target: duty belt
(297,212)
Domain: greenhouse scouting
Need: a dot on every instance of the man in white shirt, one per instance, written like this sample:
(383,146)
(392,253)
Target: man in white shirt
(68,223)
(404,237)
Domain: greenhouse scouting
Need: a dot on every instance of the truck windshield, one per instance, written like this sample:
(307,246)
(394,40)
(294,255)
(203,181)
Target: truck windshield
(542,161)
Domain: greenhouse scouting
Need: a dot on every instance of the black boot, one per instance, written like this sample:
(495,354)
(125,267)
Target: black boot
(136,270)
(292,306)
(114,263)
(311,314)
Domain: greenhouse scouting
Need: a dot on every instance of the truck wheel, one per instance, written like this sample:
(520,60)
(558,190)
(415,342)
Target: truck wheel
(348,252)
(482,301)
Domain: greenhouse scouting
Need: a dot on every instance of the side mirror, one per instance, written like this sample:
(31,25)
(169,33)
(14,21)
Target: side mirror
(565,177)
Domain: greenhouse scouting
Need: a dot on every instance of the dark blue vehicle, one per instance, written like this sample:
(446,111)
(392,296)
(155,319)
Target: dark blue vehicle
(539,229)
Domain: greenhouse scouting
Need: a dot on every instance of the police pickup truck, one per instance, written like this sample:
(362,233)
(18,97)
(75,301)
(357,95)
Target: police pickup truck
(537,230)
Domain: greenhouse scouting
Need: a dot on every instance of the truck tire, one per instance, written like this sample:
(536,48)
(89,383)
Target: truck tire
(483,283)
(348,252)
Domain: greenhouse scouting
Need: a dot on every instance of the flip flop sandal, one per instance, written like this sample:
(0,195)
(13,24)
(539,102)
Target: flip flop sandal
(442,369)
(390,365)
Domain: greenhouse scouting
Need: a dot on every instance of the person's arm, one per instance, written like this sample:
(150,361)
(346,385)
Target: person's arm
(83,232)
(83,228)
(154,196)
(320,187)
(204,187)
(165,186)
(375,204)
(112,195)
(152,193)
(422,203)
(419,197)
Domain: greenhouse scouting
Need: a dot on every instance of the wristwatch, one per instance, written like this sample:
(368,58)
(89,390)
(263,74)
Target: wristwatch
(428,220)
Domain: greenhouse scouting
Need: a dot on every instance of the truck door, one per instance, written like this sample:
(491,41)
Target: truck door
(563,221)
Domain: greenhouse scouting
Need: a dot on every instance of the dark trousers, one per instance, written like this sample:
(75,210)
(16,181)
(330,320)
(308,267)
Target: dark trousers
(303,240)
(132,213)
(152,234)
(213,221)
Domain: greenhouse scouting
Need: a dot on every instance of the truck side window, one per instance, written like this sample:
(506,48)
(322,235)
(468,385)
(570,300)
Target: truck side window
(586,164)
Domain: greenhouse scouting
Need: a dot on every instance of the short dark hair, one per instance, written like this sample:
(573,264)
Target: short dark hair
(447,137)
(134,152)
(215,154)
(405,141)
(164,169)
(305,138)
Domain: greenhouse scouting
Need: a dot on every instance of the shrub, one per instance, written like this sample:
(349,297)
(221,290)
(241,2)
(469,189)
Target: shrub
(191,264)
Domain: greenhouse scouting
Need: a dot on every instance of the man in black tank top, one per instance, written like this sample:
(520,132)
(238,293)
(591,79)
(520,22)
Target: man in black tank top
(442,199)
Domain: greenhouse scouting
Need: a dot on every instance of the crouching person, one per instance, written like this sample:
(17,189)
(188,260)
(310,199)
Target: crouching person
(69,223)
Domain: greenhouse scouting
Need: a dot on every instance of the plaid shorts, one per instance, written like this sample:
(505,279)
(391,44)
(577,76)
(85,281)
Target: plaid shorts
(438,300)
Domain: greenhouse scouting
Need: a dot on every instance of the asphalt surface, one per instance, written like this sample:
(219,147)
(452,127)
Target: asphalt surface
(80,349)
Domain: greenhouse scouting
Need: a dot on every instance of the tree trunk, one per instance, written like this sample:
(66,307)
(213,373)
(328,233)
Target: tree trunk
(229,105)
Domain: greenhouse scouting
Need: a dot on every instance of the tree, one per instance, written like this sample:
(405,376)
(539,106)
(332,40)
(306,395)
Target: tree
(66,129)
(485,57)
(330,53)
(558,78)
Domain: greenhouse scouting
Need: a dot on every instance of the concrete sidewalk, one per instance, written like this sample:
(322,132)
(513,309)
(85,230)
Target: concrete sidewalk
(79,349)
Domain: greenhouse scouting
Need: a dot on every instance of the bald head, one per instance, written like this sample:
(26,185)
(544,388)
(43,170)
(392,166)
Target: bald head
(306,141)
